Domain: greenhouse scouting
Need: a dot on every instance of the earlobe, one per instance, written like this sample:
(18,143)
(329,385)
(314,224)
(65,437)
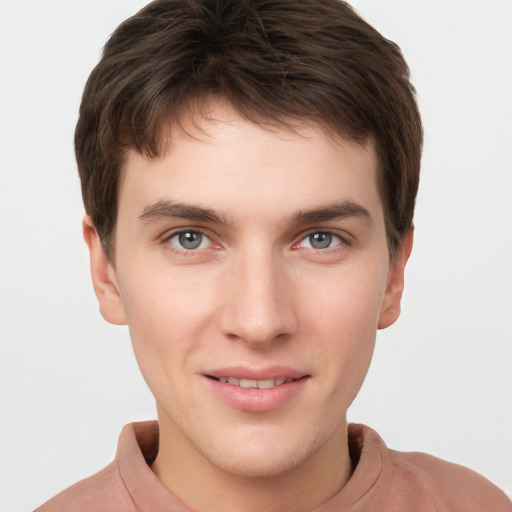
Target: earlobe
(390,308)
(103,277)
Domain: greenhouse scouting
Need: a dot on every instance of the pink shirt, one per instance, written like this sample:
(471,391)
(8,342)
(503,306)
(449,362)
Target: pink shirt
(383,480)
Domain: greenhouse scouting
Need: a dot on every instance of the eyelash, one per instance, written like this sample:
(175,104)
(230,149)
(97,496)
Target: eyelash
(184,251)
(343,241)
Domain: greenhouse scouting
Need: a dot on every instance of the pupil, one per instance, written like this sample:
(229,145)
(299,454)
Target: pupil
(320,240)
(190,240)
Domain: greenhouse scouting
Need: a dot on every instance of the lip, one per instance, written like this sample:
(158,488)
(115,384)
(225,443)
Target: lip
(252,399)
(271,372)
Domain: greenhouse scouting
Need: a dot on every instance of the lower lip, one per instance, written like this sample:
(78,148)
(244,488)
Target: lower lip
(257,400)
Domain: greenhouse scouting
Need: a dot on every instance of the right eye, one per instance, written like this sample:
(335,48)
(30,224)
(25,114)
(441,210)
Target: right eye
(189,240)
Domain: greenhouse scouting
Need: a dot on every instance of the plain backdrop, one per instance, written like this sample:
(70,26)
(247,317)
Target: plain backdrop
(441,378)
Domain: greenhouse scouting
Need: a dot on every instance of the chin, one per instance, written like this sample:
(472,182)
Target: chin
(259,465)
(263,458)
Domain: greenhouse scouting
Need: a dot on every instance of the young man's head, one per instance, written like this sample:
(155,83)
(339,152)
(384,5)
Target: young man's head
(249,170)
(276,63)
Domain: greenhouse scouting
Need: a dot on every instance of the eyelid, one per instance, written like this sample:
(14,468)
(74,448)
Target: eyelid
(168,235)
(345,238)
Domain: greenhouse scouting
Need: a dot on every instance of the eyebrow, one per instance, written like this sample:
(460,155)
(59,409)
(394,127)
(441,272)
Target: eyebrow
(166,209)
(335,211)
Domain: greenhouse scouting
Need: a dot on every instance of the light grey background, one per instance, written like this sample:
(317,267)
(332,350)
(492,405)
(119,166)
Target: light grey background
(441,379)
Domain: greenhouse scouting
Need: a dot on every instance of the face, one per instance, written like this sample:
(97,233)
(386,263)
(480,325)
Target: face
(252,268)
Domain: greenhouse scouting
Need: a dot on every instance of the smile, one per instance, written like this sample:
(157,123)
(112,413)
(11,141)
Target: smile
(252,383)
(255,390)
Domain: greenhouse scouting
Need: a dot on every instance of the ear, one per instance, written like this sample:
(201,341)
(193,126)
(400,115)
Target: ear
(390,308)
(103,277)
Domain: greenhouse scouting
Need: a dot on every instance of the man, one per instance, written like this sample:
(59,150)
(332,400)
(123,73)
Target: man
(249,171)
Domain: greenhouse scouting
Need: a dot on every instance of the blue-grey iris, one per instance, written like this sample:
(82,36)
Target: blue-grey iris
(190,239)
(320,240)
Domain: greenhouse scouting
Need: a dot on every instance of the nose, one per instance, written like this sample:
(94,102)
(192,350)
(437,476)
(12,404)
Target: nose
(258,303)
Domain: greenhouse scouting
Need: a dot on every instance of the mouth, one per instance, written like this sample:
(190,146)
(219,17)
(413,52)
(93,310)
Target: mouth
(255,384)
(257,391)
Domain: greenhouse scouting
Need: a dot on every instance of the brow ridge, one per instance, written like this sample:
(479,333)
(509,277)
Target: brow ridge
(166,209)
(338,210)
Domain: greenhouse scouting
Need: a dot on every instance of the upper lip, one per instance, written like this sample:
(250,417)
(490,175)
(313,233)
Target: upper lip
(271,372)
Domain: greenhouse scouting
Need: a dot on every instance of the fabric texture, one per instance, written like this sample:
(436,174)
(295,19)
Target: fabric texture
(384,480)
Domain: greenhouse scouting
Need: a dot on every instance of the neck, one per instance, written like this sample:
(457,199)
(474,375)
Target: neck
(198,483)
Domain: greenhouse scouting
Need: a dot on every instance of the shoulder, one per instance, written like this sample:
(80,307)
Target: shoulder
(386,479)
(449,486)
(103,491)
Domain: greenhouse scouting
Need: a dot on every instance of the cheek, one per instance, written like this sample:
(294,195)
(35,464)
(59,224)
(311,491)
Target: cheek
(164,318)
(345,317)
(166,311)
(346,301)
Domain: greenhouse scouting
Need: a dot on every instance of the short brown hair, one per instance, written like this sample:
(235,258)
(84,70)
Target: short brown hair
(274,61)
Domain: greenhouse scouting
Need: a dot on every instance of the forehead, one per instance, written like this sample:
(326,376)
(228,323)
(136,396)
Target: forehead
(223,162)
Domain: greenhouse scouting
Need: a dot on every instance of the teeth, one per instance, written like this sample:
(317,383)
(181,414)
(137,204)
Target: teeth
(265,384)
(256,384)
(246,383)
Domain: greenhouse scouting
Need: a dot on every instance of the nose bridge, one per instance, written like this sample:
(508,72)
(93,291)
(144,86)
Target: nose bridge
(258,305)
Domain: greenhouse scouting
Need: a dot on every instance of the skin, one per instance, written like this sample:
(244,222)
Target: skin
(257,292)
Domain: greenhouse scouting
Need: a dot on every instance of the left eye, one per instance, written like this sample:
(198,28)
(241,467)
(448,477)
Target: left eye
(189,240)
(320,240)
